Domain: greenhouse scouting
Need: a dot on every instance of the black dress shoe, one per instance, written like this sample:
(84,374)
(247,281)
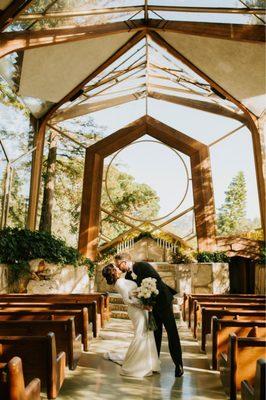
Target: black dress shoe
(179,371)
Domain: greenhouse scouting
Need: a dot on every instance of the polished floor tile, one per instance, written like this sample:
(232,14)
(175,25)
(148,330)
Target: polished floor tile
(97,378)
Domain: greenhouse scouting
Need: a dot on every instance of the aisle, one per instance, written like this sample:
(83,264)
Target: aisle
(97,378)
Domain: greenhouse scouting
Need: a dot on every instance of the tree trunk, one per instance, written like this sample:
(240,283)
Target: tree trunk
(49,185)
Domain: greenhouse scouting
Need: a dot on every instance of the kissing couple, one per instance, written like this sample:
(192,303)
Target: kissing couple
(142,357)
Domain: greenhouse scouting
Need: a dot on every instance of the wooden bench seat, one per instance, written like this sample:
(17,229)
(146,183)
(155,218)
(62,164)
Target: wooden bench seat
(65,335)
(187,308)
(39,358)
(92,309)
(12,385)
(209,313)
(217,341)
(257,391)
(81,318)
(239,363)
(197,323)
(102,300)
(197,311)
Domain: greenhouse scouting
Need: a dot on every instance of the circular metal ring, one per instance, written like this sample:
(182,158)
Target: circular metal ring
(139,219)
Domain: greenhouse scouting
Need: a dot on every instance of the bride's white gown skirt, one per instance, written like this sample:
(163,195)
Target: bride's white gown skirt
(141,357)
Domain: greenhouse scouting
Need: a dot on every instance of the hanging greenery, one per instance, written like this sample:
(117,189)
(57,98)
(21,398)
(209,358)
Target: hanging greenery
(19,246)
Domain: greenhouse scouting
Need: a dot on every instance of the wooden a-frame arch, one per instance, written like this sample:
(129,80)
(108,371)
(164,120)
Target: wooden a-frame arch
(93,174)
(15,41)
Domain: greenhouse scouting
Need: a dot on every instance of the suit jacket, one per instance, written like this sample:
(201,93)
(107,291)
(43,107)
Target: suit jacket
(145,270)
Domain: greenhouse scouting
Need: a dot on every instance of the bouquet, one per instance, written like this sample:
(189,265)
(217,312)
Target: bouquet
(147,293)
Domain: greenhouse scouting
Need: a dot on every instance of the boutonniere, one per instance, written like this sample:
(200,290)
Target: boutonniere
(134,276)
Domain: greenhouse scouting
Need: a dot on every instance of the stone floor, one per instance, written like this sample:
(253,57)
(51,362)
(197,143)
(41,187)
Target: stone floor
(97,378)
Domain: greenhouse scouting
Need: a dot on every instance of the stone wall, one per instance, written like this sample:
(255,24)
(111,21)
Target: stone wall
(260,279)
(202,278)
(189,278)
(67,279)
(48,278)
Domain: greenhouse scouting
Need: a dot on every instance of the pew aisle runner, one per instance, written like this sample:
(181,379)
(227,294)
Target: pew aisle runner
(97,378)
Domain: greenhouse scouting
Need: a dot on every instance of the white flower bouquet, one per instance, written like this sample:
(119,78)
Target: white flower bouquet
(147,293)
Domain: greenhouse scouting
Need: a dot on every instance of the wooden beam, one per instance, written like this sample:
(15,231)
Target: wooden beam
(208,10)
(120,138)
(36,171)
(23,40)
(17,41)
(205,106)
(90,206)
(239,32)
(8,15)
(172,137)
(88,108)
(204,207)
(258,132)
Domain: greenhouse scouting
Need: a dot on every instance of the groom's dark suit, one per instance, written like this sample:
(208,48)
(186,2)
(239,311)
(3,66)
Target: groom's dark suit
(162,310)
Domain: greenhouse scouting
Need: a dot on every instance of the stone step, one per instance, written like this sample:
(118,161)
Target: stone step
(115,298)
(118,307)
(119,314)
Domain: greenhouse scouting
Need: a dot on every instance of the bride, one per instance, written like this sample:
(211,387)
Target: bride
(141,358)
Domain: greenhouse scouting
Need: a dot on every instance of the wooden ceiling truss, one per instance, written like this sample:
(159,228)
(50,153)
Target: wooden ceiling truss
(162,83)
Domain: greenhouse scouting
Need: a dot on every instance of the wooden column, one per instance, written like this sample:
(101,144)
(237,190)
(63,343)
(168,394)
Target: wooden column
(91,204)
(203,199)
(258,131)
(36,171)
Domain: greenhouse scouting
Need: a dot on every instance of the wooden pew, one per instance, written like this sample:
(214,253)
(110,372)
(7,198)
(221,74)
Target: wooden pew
(239,363)
(217,341)
(12,385)
(40,359)
(81,318)
(222,303)
(102,300)
(258,390)
(92,309)
(229,306)
(65,335)
(209,313)
(187,308)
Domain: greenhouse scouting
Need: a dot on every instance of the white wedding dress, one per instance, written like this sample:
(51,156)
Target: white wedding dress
(141,358)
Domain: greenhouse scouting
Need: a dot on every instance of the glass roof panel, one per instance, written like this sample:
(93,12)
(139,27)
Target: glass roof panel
(58,13)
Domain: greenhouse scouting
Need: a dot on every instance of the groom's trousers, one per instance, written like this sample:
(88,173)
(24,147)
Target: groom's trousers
(165,317)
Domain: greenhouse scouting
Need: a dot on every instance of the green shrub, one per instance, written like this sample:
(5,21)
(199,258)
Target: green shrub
(262,259)
(182,256)
(18,246)
(208,256)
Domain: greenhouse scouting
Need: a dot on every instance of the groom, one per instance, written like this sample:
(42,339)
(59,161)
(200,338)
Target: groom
(162,310)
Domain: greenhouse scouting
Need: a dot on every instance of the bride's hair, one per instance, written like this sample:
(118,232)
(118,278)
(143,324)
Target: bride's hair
(109,273)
